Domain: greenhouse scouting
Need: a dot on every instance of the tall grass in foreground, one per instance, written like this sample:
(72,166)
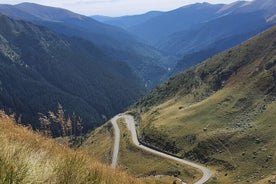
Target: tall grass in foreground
(27,157)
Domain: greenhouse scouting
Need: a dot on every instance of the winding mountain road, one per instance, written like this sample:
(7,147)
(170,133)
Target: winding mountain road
(116,142)
(131,126)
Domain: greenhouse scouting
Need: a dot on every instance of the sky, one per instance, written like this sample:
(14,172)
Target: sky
(115,7)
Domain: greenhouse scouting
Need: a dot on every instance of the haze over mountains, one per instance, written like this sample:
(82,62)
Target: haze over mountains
(148,63)
(65,74)
(40,69)
(77,70)
(154,45)
(196,32)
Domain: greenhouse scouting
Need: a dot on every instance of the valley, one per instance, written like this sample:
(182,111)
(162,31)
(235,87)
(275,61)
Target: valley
(169,96)
(40,69)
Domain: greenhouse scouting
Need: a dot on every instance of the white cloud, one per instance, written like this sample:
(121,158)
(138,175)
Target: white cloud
(115,7)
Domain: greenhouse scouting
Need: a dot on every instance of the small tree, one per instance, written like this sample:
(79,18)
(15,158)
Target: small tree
(45,125)
(57,125)
(69,129)
(79,126)
(61,119)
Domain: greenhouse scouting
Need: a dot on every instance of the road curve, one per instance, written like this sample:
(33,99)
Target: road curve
(116,141)
(131,126)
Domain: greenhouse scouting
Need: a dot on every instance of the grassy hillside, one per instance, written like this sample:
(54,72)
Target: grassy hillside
(221,112)
(100,145)
(26,157)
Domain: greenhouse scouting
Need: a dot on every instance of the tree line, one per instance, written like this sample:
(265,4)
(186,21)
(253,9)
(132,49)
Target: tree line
(59,125)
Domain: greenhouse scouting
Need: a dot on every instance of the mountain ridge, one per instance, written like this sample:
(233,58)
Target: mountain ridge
(127,21)
(183,36)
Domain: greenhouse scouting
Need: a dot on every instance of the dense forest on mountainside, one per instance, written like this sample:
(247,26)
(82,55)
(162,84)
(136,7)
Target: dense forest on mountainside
(40,69)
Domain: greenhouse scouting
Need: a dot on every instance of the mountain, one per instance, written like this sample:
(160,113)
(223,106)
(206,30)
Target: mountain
(36,12)
(40,69)
(27,157)
(214,31)
(196,50)
(195,32)
(250,6)
(220,112)
(127,21)
(167,23)
(220,33)
(148,63)
(201,16)
(195,57)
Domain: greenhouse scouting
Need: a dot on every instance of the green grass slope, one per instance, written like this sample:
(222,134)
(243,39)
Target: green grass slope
(221,112)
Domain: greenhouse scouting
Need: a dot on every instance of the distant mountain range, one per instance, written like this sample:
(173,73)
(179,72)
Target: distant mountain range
(40,69)
(157,44)
(196,32)
(128,21)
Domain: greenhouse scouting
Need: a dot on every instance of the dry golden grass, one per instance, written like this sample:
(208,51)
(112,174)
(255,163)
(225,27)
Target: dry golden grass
(266,180)
(27,157)
(162,180)
(99,143)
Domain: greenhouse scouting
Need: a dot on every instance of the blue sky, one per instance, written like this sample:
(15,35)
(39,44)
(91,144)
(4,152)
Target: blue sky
(115,7)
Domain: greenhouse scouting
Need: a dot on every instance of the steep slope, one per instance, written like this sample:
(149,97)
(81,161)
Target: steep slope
(148,63)
(213,31)
(160,27)
(195,57)
(221,112)
(40,69)
(27,157)
(221,33)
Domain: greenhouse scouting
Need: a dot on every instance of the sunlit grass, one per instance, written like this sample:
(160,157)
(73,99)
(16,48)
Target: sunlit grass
(99,143)
(26,157)
(142,163)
